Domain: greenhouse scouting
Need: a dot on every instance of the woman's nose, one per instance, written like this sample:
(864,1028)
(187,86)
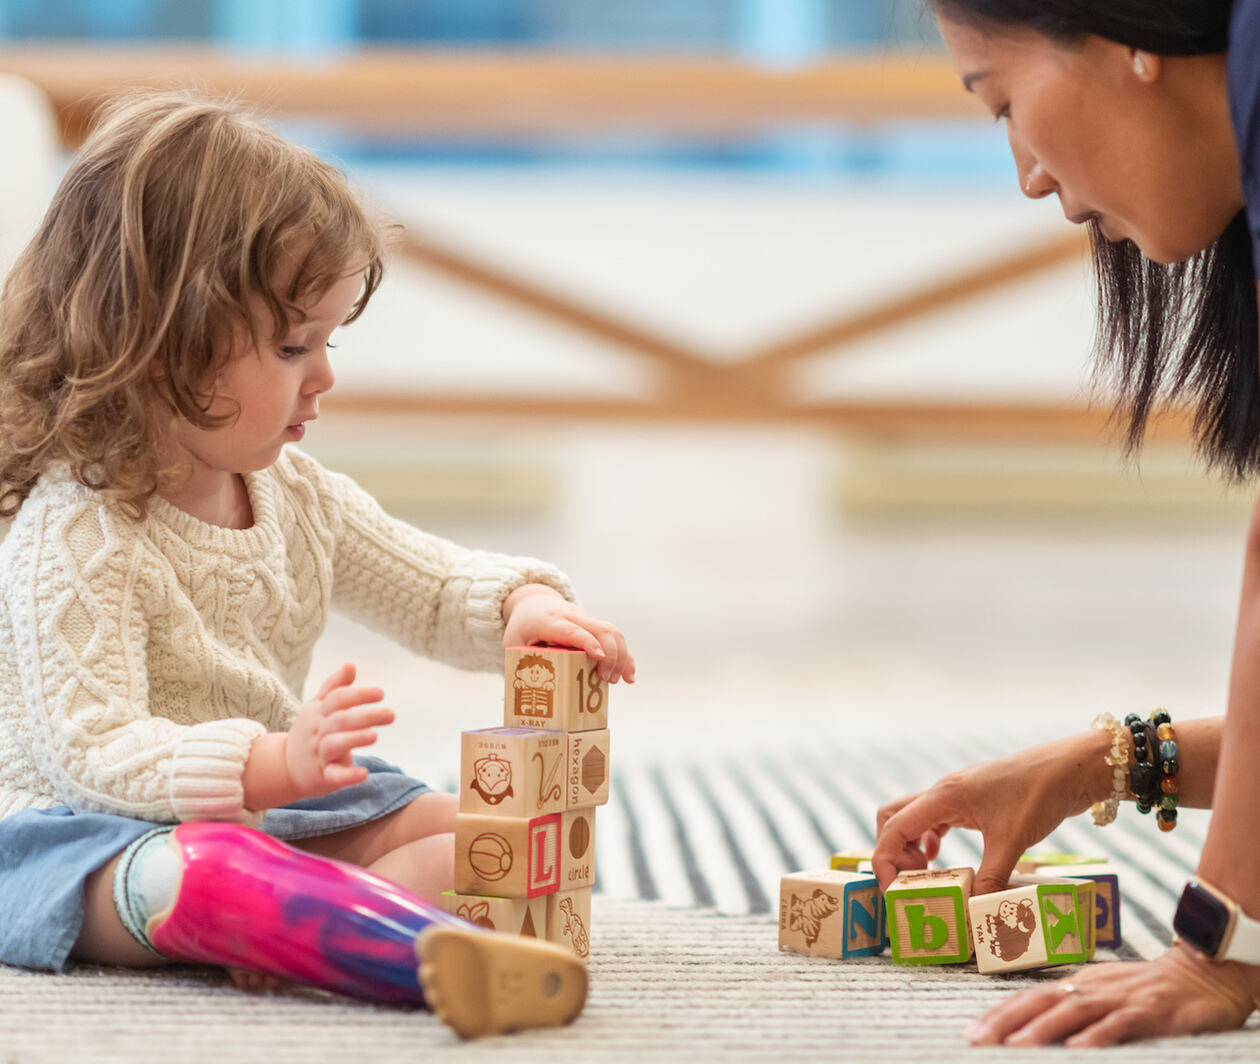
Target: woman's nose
(1035,182)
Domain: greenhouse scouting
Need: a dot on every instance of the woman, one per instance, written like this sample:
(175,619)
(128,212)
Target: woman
(1143,117)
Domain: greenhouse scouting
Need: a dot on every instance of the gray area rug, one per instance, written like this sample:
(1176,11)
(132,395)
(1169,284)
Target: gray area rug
(685,963)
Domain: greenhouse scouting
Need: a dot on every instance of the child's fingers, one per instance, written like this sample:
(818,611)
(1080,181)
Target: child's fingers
(336,748)
(337,776)
(345,697)
(356,719)
(343,677)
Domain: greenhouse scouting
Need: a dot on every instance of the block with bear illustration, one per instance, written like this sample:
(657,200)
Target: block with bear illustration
(832,913)
(553,687)
(1036,922)
(927,916)
(513,771)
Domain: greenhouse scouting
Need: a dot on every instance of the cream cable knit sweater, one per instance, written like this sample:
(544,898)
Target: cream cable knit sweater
(139,660)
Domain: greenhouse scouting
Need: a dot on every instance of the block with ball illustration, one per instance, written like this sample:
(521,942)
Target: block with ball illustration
(588,774)
(553,687)
(832,913)
(519,916)
(513,771)
(1036,922)
(569,920)
(507,856)
(927,916)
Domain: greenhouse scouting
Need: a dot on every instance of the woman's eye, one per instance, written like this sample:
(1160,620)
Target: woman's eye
(292,352)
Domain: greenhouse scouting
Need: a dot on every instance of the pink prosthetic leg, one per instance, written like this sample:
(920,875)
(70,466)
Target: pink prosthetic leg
(247,900)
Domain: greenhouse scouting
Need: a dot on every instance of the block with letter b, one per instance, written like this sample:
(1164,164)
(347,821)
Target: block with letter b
(831,913)
(516,857)
(927,916)
(1036,922)
(512,771)
(553,687)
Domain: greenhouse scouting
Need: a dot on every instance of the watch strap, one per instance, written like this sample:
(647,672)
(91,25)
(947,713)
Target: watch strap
(1244,940)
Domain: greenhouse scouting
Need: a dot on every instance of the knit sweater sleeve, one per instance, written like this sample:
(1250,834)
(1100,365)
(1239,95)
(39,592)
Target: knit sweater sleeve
(431,595)
(82,607)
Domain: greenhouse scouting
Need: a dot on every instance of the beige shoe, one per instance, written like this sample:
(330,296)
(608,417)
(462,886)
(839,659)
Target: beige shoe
(484,982)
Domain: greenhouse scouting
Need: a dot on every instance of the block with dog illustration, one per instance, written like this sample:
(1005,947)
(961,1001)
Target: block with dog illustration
(569,920)
(927,916)
(831,913)
(551,687)
(1036,922)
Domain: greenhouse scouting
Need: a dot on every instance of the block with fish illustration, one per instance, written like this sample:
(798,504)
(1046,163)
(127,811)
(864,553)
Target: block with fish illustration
(553,687)
(513,771)
(831,913)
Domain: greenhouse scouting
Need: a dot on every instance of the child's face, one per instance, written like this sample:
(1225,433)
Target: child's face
(276,387)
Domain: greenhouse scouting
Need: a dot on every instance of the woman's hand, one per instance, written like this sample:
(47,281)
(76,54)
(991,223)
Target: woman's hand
(339,719)
(1013,802)
(535,613)
(1180,992)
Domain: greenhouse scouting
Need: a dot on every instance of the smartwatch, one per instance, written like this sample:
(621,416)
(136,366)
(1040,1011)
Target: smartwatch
(1207,920)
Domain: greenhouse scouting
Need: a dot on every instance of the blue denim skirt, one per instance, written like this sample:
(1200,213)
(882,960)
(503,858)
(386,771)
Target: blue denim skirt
(46,856)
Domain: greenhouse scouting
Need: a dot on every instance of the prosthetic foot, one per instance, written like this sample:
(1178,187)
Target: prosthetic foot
(239,898)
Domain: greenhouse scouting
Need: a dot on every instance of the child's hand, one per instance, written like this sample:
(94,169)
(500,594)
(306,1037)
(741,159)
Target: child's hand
(535,613)
(336,721)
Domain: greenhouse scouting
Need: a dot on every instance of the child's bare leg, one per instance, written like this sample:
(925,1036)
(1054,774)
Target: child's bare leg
(413,847)
(103,938)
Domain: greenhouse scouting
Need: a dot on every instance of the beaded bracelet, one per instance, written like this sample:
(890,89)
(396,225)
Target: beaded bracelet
(1169,767)
(1144,775)
(1117,757)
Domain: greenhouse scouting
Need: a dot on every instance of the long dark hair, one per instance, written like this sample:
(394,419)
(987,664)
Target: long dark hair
(1184,331)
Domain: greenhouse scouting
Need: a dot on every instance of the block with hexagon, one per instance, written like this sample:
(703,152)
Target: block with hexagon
(588,774)
(515,857)
(513,771)
(1036,922)
(520,916)
(927,916)
(553,687)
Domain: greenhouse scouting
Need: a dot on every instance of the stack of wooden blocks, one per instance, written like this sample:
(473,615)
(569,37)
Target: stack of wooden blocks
(525,830)
(1055,913)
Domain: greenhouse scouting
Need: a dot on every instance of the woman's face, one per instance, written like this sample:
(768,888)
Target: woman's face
(1142,143)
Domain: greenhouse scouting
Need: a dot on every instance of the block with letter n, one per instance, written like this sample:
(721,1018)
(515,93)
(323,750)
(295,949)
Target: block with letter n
(927,916)
(831,913)
(553,687)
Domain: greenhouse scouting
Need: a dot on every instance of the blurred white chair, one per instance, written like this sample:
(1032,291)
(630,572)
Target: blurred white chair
(31,147)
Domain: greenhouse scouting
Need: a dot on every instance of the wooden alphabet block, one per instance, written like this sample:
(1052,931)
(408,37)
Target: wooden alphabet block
(588,772)
(512,772)
(514,857)
(577,848)
(1035,923)
(1106,900)
(831,914)
(569,920)
(519,916)
(852,860)
(927,916)
(552,687)
(1048,863)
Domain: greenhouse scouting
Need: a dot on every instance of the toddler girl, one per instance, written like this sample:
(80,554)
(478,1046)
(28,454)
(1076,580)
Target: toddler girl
(169,569)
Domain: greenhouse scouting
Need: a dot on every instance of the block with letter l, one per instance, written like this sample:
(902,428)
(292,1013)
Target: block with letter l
(515,857)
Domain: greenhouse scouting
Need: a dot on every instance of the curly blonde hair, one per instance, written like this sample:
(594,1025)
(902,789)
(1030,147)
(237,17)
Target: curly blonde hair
(119,313)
